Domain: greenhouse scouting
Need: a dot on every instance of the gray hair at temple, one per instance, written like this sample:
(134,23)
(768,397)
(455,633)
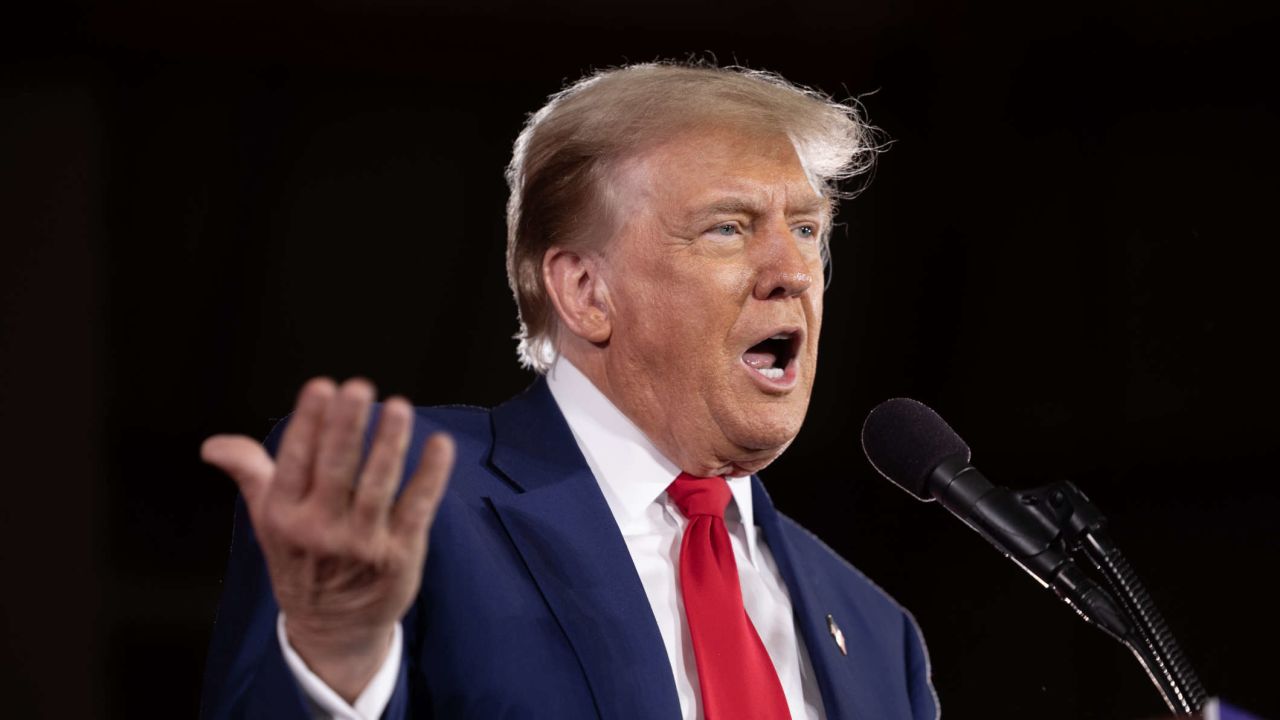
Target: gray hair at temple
(560,167)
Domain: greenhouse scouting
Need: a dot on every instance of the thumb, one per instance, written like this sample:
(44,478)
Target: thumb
(244,459)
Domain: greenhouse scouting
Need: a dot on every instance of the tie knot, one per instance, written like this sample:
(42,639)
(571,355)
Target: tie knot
(700,496)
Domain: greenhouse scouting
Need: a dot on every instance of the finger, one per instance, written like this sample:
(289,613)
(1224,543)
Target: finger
(382,469)
(341,442)
(296,455)
(244,459)
(417,505)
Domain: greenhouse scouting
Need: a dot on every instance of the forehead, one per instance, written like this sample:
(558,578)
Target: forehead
(704,165)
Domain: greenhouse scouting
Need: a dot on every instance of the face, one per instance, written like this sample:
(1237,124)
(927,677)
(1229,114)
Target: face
(713,287)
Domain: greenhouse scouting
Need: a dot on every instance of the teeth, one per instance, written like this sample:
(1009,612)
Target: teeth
(771,373)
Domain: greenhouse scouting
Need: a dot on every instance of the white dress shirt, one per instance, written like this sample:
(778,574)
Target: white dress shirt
(633,477)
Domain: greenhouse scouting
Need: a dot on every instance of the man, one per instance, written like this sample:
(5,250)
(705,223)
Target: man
(604,548)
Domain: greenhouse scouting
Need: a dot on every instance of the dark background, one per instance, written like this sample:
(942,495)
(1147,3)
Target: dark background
(1067,251)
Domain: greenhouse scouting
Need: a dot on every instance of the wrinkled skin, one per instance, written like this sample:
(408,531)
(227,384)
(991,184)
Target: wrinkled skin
(718,246)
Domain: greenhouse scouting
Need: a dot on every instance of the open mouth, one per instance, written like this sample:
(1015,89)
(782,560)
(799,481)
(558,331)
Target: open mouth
(771,357)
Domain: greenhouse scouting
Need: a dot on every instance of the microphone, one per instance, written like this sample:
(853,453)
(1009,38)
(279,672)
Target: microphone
(914,448)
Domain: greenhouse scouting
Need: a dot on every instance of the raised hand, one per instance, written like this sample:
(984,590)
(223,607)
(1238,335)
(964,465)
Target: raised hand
(344,555)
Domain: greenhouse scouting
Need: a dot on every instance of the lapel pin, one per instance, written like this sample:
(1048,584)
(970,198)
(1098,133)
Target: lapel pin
(836,635)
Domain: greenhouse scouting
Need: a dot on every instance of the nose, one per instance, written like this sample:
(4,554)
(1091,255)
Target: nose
(782,270)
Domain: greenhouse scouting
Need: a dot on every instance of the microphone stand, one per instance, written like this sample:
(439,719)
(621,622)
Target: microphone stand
(1082,528)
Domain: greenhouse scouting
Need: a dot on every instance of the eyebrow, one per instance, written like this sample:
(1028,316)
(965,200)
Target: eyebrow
(745,206)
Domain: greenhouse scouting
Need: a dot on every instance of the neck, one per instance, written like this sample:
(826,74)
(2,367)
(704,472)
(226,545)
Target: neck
(637,401)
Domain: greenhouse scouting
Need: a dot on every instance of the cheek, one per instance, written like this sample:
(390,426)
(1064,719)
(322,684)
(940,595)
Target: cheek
(656,323)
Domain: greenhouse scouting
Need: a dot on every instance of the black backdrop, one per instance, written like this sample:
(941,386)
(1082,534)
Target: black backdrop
(1067,251)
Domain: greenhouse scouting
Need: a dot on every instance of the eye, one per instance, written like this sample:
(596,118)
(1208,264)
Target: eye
(807,232)
(725,230)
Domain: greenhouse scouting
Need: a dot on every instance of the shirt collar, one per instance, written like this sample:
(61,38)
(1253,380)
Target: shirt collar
(632,473)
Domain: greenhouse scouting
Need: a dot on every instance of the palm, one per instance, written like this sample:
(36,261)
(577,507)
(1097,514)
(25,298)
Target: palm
(344,555)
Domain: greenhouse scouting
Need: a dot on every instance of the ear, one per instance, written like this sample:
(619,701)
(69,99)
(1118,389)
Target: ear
(578,292)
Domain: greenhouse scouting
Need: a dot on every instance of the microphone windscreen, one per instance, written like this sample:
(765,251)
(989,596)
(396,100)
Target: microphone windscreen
(905,440)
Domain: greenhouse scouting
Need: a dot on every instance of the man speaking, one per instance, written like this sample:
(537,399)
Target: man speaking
(600,545)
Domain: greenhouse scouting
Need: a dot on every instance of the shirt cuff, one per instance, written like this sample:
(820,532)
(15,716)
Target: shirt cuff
(326,704)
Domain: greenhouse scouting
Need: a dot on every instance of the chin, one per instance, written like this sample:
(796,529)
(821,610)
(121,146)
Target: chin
(760,442)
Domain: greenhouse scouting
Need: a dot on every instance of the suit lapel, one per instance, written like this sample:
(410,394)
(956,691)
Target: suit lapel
(564,531)
(845,694)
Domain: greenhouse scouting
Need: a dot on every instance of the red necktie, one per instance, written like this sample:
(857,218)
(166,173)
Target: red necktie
(735,673)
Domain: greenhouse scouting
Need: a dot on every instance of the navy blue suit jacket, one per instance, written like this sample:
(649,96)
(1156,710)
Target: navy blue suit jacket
(531,607)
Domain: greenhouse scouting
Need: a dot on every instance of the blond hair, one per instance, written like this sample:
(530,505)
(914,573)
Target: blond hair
(561,162)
